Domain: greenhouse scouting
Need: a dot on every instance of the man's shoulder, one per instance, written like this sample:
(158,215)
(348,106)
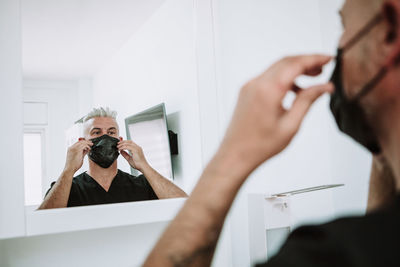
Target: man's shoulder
(379,225)
(342,240)
(387,218)
(80,178)
(76,179)
(350,241)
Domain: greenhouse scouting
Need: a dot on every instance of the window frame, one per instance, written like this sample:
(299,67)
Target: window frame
(42,131)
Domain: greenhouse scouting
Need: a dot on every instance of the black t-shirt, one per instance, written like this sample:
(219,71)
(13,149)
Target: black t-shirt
(369,241)
(124,188)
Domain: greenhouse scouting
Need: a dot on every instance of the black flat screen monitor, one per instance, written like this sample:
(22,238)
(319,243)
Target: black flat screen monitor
(149,130)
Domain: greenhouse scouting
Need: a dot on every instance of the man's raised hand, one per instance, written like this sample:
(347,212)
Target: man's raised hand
(261,127)
(76,154)
(135,157)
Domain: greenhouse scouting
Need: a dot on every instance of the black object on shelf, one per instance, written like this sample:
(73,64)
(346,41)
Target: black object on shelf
(173,142)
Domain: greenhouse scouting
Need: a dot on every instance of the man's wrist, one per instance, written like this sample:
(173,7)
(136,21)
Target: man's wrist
(68,173)
(230,165)
(144,167)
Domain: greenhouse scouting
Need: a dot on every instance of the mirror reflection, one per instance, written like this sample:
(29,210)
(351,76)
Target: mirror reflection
(104,183)
(84,142)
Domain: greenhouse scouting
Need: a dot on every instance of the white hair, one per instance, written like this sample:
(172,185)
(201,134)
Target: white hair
(98,112)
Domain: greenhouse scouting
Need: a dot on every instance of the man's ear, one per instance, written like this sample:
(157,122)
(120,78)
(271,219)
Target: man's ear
(120,138)
(391,14)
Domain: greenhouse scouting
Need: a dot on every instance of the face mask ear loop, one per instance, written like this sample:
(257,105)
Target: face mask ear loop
(375,20)
(378,77)
(371,84)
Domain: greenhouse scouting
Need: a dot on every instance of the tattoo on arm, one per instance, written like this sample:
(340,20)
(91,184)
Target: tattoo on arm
(203,252)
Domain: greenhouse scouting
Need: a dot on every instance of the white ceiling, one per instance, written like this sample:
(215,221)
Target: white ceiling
(71,39)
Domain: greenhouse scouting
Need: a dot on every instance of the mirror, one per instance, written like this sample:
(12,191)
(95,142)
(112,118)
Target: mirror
(126,55)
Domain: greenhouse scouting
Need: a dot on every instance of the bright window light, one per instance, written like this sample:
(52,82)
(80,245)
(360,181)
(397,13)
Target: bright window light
(149,130)
(152,137)
(33,168)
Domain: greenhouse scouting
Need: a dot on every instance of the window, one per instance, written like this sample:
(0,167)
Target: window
(33,167)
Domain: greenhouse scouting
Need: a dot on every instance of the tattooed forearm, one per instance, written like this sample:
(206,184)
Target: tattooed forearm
(191,238)
(200,254)
(205,252)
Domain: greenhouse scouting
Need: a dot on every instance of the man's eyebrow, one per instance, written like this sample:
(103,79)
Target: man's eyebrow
(95,129)
(112,128)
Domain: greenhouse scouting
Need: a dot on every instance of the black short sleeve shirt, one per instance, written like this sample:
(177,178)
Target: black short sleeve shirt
(124,188)
(368,241)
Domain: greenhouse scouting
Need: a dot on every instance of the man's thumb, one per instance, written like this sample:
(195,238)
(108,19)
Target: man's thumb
(303,102)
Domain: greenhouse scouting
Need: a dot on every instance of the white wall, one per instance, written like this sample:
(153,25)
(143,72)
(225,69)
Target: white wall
(120,246)
(85,96)
(158,65)
(250,36)
(62,98)
(11,169)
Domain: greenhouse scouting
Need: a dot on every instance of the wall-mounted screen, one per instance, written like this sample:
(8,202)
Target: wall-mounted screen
(149,130)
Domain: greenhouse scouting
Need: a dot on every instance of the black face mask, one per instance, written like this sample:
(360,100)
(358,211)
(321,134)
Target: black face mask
(349,115)
(104,150)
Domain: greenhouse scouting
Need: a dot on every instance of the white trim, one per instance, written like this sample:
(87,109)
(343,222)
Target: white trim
(207,90)
(41,222)
(47,113)
(208,100)
(49,84)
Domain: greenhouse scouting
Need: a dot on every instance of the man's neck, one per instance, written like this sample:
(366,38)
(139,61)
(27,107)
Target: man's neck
(391,151)
(103,177)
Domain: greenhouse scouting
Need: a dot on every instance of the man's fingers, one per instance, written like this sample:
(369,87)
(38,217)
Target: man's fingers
(125,142)
(88,142)
(84,142)
(122,151)
(314,71)
(125,155)
(296,89)
(123,146)
(128,146)
(292,67)
(303,102)
(84,146)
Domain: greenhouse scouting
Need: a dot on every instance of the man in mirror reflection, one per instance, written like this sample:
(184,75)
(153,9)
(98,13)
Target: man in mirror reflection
(365,101)
(104,183)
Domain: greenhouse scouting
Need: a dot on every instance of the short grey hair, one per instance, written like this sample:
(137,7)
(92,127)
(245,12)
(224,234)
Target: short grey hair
(98,112)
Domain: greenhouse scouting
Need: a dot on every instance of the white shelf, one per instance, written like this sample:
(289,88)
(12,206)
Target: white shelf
(41,222)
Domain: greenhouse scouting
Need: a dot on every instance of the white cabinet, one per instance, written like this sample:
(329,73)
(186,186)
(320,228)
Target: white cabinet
(269,225)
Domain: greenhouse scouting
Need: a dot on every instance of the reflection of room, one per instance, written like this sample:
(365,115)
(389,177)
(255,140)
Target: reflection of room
(131,55)
(51,107)
(79,56)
